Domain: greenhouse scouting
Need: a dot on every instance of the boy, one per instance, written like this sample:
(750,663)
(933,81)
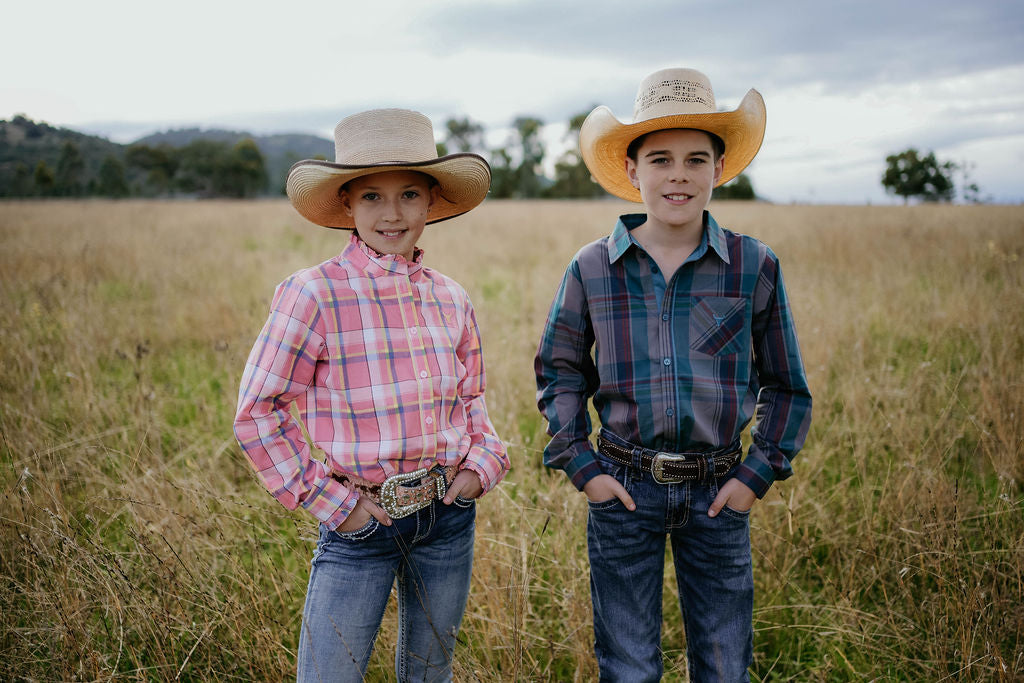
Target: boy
(692,336)
(381,357)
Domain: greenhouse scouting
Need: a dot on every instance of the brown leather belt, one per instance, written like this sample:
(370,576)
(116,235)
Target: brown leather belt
(403,494)
(671,468)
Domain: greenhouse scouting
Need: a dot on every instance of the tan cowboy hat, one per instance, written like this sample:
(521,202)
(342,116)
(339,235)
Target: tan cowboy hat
(670,98)
(385,140)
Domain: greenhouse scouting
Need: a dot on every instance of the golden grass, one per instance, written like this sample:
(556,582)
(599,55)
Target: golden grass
(136,544)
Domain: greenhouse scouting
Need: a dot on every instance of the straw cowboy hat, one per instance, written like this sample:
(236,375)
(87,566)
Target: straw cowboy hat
(385,140)
(670,98)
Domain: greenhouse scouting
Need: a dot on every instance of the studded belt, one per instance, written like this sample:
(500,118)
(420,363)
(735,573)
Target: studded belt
(672,468)
(403,494)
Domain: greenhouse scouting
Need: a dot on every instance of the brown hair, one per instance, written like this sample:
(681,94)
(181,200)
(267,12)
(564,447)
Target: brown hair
(717,144)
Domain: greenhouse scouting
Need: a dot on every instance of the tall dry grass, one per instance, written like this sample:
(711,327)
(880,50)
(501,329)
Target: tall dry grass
(136,544)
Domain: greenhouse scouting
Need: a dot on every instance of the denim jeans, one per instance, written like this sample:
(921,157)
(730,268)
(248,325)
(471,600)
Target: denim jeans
(429,553)
(713,571)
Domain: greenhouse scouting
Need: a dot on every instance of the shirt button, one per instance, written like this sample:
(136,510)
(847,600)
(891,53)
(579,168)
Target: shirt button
(667,361)
(654,269)
(413,330)
(429,420)
(669,412)
(423,374)
(664,316)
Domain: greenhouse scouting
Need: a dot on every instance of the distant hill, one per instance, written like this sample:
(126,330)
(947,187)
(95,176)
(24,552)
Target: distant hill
(25,143)
(279,151)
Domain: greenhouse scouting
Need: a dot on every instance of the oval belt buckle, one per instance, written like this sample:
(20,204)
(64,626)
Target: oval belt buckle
(389,494)
(658,467)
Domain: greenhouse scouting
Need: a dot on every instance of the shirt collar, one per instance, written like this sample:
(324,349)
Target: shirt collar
(621,239)
(364,257)
(715,237)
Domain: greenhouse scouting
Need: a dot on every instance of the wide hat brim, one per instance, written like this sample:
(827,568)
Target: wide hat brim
(313,186)
(604,140)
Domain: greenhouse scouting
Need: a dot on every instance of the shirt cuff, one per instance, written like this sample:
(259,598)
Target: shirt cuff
(757,472)
(489,467)
(332,504)
(751,474)
(582,468)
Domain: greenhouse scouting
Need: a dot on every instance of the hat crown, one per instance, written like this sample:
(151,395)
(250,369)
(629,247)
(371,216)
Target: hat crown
(383,136)
(673,91)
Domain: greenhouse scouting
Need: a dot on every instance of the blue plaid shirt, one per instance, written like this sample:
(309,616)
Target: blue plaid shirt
(675,366)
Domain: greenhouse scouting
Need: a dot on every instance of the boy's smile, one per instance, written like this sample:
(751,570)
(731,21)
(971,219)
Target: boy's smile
(675,171)
(389,209)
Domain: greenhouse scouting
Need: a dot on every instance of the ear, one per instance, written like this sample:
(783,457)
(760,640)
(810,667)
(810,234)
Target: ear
(719,167)
(631,173)
(346,202)
(435,193)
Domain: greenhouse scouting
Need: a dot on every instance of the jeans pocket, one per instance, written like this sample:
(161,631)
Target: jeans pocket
(361,533)
(736,514)
(604,504)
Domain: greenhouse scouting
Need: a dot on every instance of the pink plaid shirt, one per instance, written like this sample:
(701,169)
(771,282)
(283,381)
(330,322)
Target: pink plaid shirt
(382,359)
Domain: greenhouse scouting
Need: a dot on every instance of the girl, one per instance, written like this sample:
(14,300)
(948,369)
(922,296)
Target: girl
(381,357)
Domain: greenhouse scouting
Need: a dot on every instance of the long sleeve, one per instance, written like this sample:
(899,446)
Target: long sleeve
(278,373)
(782,415)
(566,379)
(487,454)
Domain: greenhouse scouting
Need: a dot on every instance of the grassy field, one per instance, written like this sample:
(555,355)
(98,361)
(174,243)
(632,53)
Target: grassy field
(136,544)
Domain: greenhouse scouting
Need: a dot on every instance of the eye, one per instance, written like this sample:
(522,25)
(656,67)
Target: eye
(659,161)
(697,161)
(410,194)
(370,196)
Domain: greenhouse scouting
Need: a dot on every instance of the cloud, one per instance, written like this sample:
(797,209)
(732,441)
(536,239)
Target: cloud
(841,44)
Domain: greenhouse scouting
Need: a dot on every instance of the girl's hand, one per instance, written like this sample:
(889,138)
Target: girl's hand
(466,484)
(361,513)
(604,487)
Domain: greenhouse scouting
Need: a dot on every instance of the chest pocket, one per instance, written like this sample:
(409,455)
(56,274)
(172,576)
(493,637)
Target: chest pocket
(718,325)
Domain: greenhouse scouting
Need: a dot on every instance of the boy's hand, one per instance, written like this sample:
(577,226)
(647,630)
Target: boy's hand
(735,494)
(604,487)
(361,513)
(466,484)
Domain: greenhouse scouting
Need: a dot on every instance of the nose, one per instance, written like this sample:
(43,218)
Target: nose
(677,174)
(392,212)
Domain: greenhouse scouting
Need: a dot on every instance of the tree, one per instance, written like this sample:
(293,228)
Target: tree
(70,169)
(908,174)
(503,174)
(43,179)
(529,173)
(463,135)
(21,184)
(160,164)
(245,173)
(522,180)
(200,167)
(572,178)
(111,178)
(969,190)
(739,187)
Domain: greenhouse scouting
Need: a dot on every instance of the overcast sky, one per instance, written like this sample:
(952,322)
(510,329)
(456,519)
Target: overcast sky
(845,83)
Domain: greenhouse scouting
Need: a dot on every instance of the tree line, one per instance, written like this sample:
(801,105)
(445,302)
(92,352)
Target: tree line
(38,160)
(202,168)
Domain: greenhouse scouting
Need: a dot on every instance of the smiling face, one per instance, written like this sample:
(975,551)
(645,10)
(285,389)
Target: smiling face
(389,209)
(675,171)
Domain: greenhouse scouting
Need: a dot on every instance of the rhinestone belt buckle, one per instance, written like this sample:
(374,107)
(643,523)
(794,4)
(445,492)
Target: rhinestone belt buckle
(389,494)
(658,468)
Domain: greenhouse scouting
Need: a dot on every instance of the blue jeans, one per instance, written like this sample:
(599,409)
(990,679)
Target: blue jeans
(713,571)
(429,553)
